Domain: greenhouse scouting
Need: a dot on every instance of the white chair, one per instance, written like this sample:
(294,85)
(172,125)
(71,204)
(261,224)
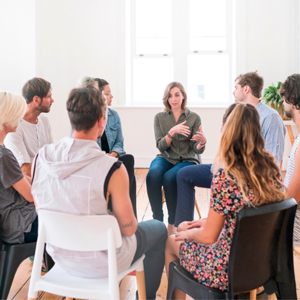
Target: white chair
(80,233)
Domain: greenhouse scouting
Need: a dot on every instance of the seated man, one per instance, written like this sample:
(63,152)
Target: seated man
(34,131)
(18,218)
(74,176)
(290,91)
(248,88)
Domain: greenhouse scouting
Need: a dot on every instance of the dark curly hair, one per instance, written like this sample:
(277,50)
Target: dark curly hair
(290,90)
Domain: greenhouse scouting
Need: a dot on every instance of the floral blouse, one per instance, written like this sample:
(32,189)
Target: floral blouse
(209,263)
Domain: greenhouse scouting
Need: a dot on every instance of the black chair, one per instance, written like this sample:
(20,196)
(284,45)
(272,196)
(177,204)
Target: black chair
(11,256)
(261,255)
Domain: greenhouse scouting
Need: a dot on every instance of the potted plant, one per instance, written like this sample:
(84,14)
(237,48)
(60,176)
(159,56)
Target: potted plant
(272,98)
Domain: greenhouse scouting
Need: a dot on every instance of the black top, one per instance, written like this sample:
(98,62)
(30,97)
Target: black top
(104,143)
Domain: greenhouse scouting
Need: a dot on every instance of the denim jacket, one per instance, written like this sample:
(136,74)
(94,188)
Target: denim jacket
(113,131)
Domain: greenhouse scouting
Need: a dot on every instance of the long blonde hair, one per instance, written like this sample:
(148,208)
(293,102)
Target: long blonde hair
(242,153)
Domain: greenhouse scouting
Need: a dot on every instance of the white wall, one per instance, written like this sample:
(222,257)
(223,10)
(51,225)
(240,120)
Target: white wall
(70,38)
(17,43)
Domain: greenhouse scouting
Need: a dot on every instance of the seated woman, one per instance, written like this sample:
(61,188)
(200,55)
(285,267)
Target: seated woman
(179,138)
(18,218)
(112,139)
(245,174)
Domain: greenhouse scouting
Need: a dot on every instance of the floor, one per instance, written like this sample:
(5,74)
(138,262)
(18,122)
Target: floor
(128,285)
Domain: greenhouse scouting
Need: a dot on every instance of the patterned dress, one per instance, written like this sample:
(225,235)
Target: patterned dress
(209,263)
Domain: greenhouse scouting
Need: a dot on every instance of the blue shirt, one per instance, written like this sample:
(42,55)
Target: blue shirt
(113,131)
(272,129)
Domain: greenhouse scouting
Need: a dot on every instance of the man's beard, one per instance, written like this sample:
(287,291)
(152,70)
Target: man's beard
(289,114)
(43,109)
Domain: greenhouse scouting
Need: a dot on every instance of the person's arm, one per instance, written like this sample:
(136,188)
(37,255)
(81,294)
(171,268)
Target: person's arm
(273,132)
(163,141)
(26,169)
(23,187)
(14,141)
(11,175)
(208,234)
(29,179)
(118,189)
(293,189)
(118,146)
(222,202)
(198,140)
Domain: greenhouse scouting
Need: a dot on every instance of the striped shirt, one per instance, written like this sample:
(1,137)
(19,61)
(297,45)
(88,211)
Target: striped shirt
(288,177)
(272,129)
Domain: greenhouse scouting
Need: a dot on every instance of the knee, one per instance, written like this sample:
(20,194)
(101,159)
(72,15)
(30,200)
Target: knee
(182,226)
(183,175)
(170,180)
(128,159)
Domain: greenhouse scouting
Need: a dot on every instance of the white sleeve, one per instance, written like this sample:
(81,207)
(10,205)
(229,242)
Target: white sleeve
(14,141)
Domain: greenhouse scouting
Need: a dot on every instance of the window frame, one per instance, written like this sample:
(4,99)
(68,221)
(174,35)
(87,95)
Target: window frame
(180,50)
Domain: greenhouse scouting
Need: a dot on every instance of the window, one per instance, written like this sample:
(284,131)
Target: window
(187,41)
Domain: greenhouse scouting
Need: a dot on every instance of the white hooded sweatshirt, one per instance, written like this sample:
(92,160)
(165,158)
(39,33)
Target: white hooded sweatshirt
(69,178)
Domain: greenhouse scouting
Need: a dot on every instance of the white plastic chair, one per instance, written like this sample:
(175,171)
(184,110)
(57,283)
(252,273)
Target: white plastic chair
(80,233)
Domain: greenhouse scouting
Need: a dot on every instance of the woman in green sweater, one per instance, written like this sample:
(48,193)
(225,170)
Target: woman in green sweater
(179,138)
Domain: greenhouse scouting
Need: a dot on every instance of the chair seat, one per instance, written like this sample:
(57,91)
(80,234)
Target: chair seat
(64,284)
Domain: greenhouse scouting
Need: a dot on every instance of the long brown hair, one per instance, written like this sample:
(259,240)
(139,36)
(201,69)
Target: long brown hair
(242,153)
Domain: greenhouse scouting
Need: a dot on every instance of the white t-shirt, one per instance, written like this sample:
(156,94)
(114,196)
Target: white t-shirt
(29,139)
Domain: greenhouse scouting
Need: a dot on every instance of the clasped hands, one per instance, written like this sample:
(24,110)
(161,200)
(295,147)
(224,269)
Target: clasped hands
(185,130)
(189,230)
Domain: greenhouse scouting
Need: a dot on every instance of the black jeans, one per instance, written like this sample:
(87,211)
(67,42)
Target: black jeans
(128,161)
(31,236)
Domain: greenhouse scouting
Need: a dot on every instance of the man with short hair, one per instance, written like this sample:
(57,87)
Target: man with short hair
(75,176)
(34,130)
(290,91)
(248,89)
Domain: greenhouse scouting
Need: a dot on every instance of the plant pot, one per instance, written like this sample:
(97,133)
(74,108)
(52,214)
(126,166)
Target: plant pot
(280,111)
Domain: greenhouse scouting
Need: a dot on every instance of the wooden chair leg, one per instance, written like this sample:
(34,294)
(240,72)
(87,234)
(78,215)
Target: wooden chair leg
(197,208)
(253,295)
(140,279)
(272,297)
(163,195)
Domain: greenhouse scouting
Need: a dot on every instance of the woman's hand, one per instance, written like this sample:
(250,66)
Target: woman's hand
(196,224)
(199,137)
(113,154)
(180,129)
(185,235)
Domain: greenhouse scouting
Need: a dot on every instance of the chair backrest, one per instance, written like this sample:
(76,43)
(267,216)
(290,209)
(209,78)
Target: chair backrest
(262,246)
(78,232)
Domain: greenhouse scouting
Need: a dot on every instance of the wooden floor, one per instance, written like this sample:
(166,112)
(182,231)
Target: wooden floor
(20,284)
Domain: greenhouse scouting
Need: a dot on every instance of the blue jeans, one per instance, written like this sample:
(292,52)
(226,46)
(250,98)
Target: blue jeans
(151,238)
(187,179)
(163,173)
